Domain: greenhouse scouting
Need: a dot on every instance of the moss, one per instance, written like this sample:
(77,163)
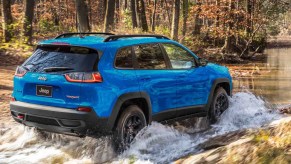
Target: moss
(132,159)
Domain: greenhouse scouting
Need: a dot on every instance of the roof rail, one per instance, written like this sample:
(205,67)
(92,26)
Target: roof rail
(116,37)
(64,35)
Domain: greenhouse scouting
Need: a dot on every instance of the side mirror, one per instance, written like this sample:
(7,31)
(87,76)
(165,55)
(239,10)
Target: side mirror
(202,62)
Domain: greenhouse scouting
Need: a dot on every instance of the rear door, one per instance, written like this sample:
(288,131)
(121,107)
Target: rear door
(45,82)
(154,77)
(126,75)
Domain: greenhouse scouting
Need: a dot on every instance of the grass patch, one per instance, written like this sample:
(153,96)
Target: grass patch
(17,48)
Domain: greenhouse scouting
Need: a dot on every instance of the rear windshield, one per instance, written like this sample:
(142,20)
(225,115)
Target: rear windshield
(76,59)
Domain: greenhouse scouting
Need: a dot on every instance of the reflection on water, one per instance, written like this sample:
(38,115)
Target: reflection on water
(271,80)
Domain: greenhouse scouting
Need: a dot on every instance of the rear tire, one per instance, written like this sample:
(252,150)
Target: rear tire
(130,122)
(219,104)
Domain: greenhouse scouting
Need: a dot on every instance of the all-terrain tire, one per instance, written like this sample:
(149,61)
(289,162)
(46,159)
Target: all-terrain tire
(220,103)
(130,122)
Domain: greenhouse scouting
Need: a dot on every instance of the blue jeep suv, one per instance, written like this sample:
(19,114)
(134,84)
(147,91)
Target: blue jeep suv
(100,83)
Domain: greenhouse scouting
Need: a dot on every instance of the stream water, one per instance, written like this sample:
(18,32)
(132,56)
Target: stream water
(271,79)
(159,143)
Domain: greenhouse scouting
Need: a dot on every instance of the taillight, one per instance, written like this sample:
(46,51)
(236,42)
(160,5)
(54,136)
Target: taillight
(20,71)
(83,77)
(12,99)
(20,116)
(84,109)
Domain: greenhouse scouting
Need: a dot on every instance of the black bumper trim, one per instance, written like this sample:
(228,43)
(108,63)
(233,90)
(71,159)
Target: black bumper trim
(59,120)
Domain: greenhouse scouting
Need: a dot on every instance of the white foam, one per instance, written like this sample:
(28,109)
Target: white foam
(24,145)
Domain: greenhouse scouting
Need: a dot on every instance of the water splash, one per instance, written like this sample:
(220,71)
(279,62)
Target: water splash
(163,144)
(25,145)
(155,144)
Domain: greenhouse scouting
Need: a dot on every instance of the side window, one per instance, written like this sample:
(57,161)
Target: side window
(179,58)
(124,58)
(150,56)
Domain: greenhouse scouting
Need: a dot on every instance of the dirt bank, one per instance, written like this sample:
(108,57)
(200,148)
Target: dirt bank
(271,144)
(279,42)
(6,86)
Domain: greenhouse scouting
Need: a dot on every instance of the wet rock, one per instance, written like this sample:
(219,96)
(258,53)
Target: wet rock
(286,110)
(222,140)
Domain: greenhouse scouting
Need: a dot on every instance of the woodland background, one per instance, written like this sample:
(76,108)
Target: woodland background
(227,29)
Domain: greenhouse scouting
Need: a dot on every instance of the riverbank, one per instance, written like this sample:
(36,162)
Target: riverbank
(279,42)
(270,144)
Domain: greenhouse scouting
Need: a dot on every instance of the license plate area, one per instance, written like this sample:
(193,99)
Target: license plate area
(42,90)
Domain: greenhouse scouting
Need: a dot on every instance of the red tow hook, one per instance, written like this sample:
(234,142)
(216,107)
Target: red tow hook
(20,116)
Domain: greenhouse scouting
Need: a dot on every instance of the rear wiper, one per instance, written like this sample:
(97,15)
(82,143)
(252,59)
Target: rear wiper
(25,68)
(57,69)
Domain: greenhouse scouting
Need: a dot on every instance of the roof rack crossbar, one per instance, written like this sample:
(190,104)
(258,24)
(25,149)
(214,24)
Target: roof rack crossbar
(116,37)
(81,33)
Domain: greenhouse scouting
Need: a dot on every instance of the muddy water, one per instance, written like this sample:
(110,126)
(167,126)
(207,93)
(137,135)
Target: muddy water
(155,144)
(271,79)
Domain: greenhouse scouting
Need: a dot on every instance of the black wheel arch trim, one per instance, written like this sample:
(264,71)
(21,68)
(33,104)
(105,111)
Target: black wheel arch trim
(123,98)
(213,87)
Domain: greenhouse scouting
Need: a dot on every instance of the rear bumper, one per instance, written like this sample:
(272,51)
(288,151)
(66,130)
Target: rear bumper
(59,120)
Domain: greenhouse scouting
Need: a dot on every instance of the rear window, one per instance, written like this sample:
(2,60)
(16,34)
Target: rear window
(77,59)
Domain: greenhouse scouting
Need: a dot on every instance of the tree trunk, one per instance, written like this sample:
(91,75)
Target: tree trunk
(133,13)
(54,12)
(7,20)
(185,17)
(229,37)
(175,21)
(125,5)
(197,20)
(101,14)
(168,14)
(117,9)
(90,14)
(142,15)
(217,3)
(249,14)
(154,16)
(109,17)
(137,10)
(82,16)
(104,11)
(28,17)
